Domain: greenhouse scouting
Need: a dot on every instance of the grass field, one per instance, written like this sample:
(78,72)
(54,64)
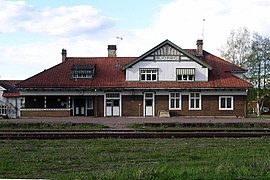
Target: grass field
(198,126)
(267,116)
(218,158)
(44,126)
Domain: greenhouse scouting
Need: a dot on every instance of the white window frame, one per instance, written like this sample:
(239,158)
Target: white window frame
(90,103)
(185,77)
(3,110)
(82,74)
(173,96)
(226,103)
(188,74)
(153,71)
(149,95)
(111,96)
(195,98)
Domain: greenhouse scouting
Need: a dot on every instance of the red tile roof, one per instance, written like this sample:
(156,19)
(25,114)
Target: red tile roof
(109,75)
(11,90)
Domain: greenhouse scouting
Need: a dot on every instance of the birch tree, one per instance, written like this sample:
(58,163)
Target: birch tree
(251,53)
(258,64)
(237,47)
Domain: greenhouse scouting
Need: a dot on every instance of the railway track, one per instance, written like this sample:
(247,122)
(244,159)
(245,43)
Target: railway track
(129,134)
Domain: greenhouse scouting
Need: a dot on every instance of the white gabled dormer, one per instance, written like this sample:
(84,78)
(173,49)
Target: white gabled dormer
(167,62)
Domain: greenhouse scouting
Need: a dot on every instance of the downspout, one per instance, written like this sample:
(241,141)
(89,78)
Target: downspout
(96,104)
(16,107)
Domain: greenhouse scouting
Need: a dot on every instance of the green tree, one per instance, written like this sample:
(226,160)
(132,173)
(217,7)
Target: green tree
(258,63)
(237,47)
(253,54)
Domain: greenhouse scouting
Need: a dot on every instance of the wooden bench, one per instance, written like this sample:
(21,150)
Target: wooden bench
(164,113)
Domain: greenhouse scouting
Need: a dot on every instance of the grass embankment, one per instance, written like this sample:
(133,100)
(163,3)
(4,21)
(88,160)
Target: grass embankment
(44,126)
(136,159)
(198,126)
(266,116)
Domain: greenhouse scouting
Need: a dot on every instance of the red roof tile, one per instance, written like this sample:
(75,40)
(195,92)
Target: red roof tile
(109,75)
(11,90)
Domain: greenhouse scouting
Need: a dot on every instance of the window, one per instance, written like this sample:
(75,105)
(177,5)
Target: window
(175,101)
(148,74)
(225,102)
(90,103)
(83,71)
(83,74)
(194,101)
(113,95)
(185,74)
(149,95)
(3,110)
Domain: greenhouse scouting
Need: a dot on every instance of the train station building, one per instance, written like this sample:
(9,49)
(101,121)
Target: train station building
(166,80)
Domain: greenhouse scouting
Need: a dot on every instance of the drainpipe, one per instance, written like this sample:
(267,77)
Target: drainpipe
(96,103)
(16,107)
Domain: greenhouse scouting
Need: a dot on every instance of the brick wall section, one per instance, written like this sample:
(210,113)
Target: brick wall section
(130,105)
(162,103)
(47,113)
(210,107)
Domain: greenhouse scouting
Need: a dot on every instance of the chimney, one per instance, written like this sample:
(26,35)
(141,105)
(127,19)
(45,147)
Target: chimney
(64,54)
(199,51)
(112,50)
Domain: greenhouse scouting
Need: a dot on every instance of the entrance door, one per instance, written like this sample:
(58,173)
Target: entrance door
(112,107)
(149,104)
(79,107)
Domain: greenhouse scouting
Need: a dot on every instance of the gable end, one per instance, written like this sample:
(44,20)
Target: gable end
(167,51)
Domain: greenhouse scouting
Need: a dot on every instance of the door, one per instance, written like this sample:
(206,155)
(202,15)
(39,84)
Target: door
(79,107)
(112,107)
(148,107)
(149,104)
(90,106)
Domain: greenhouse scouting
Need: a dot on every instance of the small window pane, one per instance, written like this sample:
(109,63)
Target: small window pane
(90,103)
(192,103)
(143,77)
(108,103)
(154,77)
(148,77)
(148,102)
(229,102)
(172,103)
(184,77)
(197,103)
(223,103)
(177,105)
(116,103)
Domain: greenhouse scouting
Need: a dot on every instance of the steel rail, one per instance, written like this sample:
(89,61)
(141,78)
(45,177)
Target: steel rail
(128,134)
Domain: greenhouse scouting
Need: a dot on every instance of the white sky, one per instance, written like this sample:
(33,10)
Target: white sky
(32,33)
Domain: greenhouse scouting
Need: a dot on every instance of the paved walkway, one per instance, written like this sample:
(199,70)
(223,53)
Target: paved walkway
(122,122)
